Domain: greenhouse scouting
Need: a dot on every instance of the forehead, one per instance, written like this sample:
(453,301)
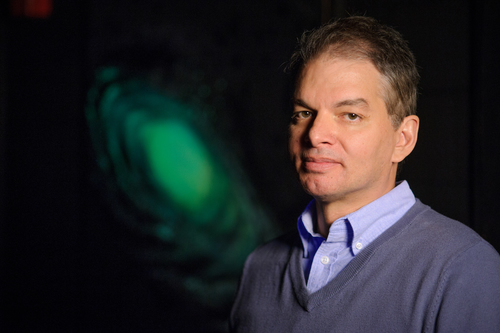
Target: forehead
(340,75)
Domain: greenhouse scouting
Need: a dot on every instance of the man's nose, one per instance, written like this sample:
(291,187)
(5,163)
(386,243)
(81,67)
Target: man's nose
(322,130)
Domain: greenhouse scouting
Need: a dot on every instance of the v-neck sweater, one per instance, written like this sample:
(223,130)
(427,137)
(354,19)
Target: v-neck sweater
(426,273)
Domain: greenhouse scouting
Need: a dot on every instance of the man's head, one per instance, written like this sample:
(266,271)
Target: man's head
(363,38)
(344,142)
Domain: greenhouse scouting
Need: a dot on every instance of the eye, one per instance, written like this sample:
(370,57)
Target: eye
(301,115)
(352,116)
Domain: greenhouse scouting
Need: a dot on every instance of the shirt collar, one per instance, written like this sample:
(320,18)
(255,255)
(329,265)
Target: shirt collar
(363,225)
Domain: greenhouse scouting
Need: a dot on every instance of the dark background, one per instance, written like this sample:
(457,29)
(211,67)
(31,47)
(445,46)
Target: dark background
(64,268)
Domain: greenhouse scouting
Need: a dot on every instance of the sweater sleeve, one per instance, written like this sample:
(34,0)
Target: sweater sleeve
(468,298)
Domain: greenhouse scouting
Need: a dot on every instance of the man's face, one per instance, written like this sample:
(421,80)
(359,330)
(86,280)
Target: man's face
(341,138)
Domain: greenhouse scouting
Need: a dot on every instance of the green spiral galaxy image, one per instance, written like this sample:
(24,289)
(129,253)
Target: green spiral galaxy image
(170,178)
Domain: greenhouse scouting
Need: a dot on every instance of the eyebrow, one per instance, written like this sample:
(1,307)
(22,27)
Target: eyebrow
(347,102)
(300,102)
(351,102)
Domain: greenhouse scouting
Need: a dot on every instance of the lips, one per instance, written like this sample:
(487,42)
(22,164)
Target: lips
(319,164)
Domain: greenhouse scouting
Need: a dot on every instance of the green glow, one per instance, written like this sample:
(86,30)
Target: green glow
(179,162)
(170,177)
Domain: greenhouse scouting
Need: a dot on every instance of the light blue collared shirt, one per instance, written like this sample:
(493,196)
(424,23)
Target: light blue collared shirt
(325,258)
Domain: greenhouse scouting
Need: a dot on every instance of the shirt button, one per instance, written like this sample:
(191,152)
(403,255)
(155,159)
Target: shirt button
(325,260)
(359,246)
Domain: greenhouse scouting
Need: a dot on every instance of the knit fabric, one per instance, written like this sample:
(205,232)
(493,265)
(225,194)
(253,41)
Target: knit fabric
(427,273)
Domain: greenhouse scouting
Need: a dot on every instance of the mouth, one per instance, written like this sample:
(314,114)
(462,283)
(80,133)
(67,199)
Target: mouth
(318,164)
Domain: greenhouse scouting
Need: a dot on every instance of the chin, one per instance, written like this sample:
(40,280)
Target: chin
(319,190)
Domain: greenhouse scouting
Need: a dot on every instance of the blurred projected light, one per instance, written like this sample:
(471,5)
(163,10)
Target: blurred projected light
(170,177)
(31,8)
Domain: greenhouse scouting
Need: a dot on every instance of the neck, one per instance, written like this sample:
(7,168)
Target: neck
(327,213)
(330,211)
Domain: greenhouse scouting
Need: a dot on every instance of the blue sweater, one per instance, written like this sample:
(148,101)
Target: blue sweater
(427,273)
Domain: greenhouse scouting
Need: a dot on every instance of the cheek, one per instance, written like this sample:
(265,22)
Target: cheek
(359,146)
(294,149)
(382,150)
(291,146)
(294,141)
(367,148)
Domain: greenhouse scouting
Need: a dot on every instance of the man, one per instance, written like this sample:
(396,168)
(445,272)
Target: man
(367,256)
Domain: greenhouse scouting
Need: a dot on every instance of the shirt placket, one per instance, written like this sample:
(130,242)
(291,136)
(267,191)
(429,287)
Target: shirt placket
(323,260)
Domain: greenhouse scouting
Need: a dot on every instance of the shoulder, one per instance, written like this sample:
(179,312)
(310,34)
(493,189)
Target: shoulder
(276,250)
(425,240)
(432,231)
(266,264)
(467,290)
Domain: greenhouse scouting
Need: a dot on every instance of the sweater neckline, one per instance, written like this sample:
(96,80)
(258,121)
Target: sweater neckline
(310,301)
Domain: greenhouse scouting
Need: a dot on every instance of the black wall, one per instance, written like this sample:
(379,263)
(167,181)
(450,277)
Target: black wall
(64,268)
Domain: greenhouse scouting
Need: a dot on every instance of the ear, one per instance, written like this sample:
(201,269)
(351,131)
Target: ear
(407,138)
